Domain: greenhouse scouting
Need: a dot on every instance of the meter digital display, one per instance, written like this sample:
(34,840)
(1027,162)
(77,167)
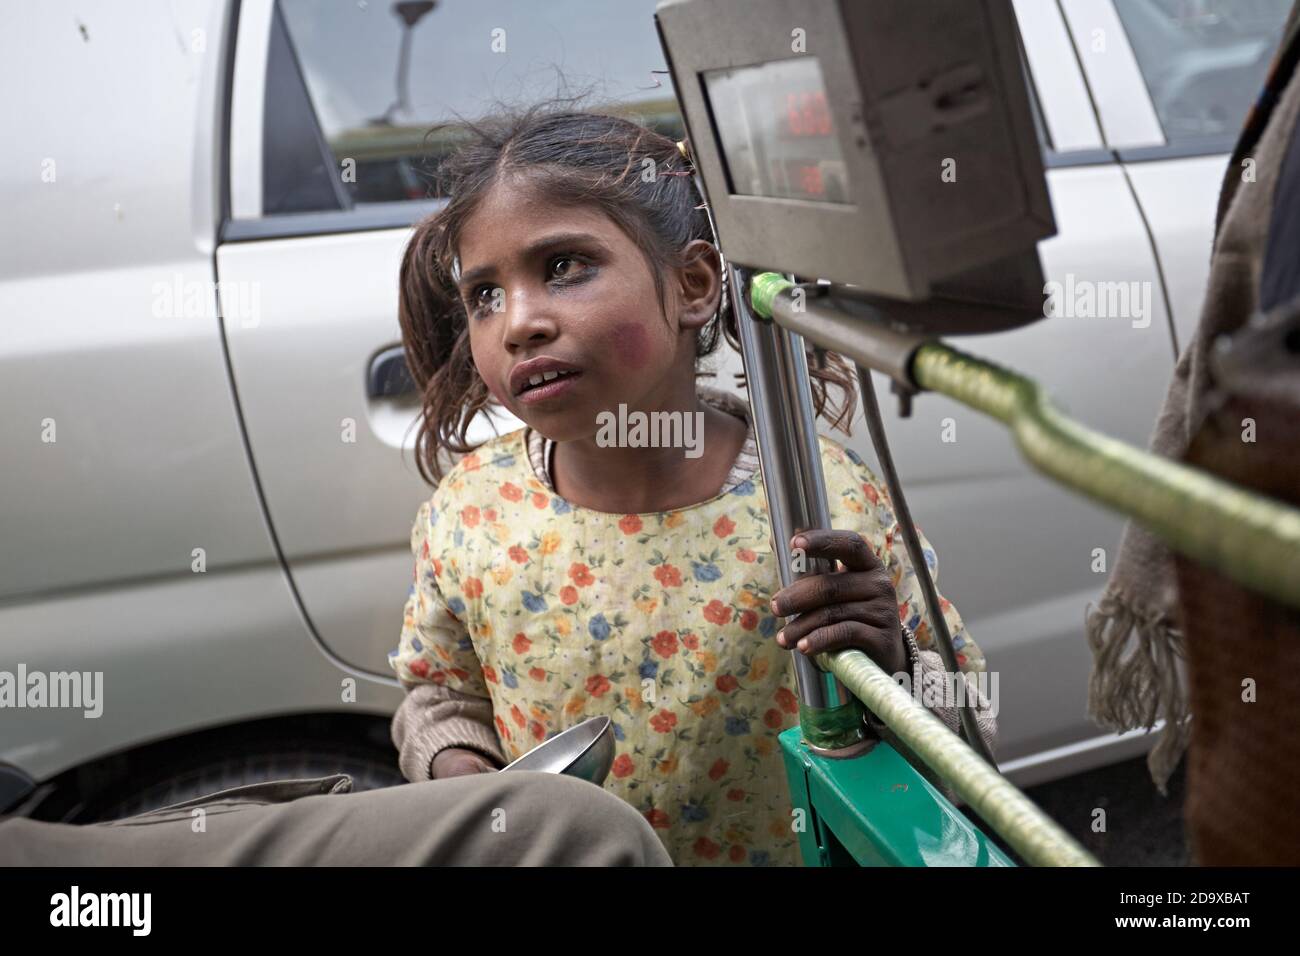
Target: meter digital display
(775,128)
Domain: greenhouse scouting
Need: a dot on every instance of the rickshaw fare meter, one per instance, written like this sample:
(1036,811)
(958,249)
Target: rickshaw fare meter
(883,144)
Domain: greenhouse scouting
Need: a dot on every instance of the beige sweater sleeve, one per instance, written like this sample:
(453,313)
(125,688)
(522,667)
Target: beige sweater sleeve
(936,690)
(434,647)
(433,718)
(929,672)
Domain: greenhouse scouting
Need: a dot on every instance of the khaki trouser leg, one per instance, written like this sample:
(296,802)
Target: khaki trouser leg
(510,819)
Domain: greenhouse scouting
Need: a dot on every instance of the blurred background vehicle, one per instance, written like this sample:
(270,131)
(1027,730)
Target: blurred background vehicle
(208,479)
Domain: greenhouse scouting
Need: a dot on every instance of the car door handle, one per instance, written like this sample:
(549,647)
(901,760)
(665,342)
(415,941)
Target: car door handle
(388,376)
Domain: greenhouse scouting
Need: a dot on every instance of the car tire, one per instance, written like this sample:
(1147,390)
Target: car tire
(368,770)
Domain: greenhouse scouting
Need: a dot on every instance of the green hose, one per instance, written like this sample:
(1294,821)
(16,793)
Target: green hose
(1012,815)
(1248,537)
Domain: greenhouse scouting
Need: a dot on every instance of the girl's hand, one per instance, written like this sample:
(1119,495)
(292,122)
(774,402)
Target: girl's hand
(458,761)
(856,607)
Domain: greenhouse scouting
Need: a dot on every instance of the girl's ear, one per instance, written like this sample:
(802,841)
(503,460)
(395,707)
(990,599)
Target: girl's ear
(700,284)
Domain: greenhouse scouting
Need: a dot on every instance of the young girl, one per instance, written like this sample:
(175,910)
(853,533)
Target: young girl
(558,578)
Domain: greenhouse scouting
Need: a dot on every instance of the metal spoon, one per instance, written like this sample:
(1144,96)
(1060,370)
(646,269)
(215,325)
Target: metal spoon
(585,750)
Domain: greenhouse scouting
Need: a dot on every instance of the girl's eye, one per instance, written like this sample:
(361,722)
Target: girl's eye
(562,267)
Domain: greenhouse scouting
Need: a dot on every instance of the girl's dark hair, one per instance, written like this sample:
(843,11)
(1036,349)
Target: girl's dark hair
(569,157)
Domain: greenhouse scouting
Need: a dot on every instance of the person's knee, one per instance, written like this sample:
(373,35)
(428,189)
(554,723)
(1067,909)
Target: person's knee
(523,818)
(602,829)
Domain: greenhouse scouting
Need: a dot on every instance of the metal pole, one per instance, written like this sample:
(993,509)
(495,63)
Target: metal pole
(780,400)
(938,624)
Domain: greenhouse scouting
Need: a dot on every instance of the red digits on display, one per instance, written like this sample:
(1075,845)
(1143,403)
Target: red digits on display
(806,114)
(810,181)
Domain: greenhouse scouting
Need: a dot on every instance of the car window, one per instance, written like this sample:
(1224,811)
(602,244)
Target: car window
(353,88)
(1203,61)
(379,75)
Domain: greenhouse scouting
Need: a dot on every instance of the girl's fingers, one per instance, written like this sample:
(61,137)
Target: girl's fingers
(819,590)
(864,576)
(881,647)
(877,614)
(847,547)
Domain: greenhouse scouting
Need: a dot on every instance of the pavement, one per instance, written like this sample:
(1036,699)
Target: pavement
(1142,828)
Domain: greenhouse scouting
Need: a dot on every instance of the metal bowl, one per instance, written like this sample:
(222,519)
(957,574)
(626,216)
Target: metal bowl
(585,750)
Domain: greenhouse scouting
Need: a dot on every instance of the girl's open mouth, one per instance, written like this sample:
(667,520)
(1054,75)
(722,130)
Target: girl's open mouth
(552,384)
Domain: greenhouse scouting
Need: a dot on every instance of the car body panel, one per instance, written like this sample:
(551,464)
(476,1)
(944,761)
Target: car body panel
(1179,198)
(98,528)
(249,434)
(103,225)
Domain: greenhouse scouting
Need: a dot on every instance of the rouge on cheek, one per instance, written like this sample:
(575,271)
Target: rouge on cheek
(630,344)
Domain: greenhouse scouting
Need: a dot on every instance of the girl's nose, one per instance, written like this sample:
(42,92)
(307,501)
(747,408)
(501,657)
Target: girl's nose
(528,318)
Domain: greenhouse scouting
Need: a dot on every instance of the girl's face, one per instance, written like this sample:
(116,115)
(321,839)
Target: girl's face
(564,286)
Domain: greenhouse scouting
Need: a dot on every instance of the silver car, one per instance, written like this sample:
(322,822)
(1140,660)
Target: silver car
(208,480)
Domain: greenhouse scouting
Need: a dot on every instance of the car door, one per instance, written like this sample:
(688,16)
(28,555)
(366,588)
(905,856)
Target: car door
(1020,557)
(1141,100)
(133,545)
(326,178)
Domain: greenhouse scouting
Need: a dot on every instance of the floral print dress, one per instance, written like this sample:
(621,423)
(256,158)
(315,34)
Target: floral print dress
(661,621)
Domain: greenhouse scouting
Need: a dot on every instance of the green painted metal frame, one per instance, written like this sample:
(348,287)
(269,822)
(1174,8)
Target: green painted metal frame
(1038,839)
(877,810)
